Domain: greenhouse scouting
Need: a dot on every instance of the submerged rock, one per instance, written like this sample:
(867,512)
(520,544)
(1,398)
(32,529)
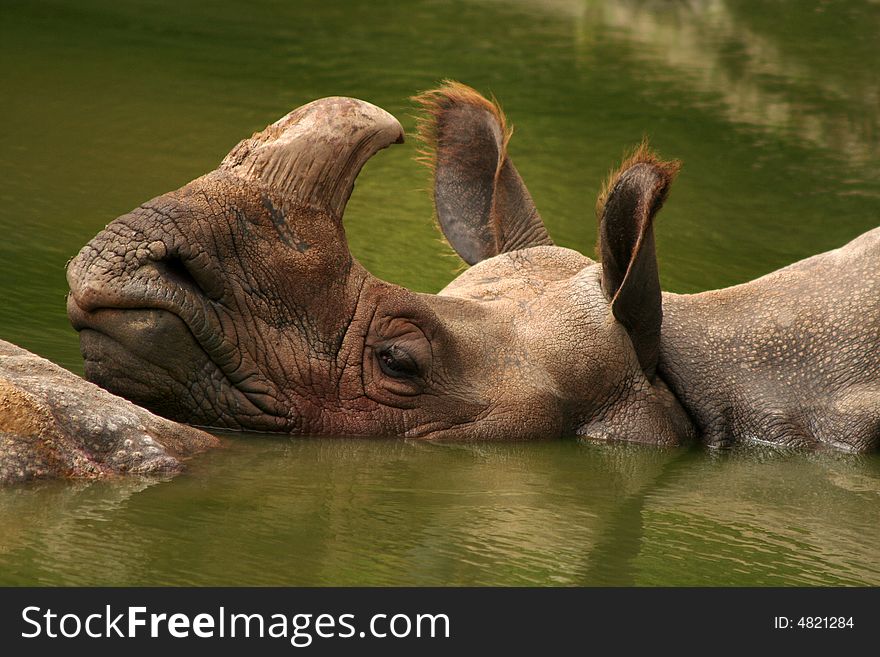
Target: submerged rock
(56,424)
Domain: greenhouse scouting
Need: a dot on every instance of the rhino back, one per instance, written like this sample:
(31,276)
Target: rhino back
(791,358)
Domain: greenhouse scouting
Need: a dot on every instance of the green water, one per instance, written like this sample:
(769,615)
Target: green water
(774,109)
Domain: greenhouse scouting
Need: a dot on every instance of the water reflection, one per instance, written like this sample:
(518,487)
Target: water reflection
(312,512)
(46,535)
(611,560)
(797,516)
(749,75)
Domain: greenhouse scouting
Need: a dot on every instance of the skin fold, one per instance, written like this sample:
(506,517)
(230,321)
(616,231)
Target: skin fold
(235,302)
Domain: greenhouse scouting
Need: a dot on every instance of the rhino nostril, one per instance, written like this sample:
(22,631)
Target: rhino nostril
(185,274)
(174,270)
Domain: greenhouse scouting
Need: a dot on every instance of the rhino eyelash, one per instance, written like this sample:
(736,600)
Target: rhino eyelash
(397,363)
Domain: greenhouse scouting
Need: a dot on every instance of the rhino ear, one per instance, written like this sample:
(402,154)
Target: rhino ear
(482,204)
(626,209)
(313,155)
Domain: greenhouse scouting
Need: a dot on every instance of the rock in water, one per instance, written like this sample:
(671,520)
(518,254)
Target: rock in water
(56,424)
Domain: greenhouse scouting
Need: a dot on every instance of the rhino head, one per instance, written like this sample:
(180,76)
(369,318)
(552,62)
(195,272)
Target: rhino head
(235,302)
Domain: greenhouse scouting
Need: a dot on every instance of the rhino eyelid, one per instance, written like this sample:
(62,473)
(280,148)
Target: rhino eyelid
(397,363)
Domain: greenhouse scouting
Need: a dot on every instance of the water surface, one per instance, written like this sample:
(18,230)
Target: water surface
(774,109)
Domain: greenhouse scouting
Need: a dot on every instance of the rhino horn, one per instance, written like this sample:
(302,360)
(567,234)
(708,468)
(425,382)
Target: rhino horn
(312,155)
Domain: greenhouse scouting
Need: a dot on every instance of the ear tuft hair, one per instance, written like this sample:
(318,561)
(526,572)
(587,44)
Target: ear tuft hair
(436,101)
(641,154)
(481,204)
(630,278)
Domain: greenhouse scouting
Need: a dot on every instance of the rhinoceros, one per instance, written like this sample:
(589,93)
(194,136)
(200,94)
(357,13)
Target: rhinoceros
(235,302)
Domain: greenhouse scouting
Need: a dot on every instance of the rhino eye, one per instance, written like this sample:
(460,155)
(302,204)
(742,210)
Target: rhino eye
(396,362)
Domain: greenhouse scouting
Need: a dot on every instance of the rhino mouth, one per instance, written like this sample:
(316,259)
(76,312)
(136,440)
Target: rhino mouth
(163,348)
(159,300)
(119,354)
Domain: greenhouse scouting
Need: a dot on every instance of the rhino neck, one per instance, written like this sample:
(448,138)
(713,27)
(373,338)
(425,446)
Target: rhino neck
(790,358)
(697,359)
(731,358)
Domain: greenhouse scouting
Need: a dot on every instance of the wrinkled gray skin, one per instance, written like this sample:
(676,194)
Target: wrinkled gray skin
(235,302)
(791,358)
(55,424)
